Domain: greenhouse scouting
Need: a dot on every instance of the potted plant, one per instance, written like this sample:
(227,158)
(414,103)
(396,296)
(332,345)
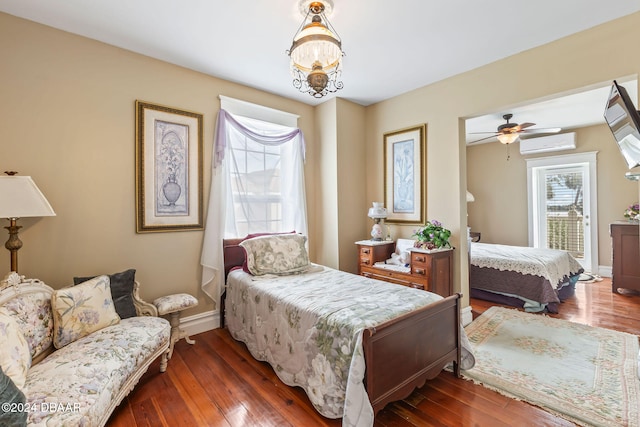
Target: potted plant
(633,212)
(432,236)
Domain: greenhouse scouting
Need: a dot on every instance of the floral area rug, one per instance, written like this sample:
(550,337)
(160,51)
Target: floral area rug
(585,374)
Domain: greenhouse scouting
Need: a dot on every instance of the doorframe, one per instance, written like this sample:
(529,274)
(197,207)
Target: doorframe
(589,158)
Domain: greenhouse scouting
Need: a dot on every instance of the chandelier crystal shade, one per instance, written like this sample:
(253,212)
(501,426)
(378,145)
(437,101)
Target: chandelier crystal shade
(316,53)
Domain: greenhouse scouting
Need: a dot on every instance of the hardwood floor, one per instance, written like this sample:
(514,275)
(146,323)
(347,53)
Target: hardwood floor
(217,382)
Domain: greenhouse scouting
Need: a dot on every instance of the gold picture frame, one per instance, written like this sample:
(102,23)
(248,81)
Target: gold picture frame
(168,169)
(405,159)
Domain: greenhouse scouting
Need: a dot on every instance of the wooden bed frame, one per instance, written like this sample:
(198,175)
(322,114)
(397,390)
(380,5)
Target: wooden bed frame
(401,354)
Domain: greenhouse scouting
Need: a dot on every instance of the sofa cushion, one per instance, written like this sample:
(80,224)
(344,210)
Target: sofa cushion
(15,358)
(82,309)
(121,291)
(32,312)
(12,395)
(90,372)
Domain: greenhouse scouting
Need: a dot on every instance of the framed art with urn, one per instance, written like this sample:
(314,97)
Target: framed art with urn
(404,175)
(168,169)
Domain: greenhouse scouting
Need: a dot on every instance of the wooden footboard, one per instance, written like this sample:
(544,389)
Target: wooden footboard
(403,353)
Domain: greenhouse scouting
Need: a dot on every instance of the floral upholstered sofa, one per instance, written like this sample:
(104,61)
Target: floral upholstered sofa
(69,352)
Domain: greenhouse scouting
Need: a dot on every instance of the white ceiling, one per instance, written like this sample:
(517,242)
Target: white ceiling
(391,47)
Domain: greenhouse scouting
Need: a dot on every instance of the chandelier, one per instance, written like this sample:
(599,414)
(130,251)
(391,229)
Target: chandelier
(316,52)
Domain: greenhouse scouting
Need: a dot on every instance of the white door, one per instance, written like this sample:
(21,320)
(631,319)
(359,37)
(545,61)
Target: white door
(562,206)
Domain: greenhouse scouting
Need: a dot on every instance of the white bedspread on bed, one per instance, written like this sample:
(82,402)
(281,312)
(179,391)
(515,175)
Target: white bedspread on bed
(553,265)
(309,328)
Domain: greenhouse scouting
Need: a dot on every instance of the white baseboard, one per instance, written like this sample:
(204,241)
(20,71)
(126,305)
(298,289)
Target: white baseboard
(209,320)
(201,322)
(605,271)
(466,315)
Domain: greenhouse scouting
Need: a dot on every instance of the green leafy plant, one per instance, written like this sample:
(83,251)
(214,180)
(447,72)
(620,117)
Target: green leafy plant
(432,236)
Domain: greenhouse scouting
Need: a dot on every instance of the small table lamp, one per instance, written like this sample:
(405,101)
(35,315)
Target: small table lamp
(377,212)
(19,198)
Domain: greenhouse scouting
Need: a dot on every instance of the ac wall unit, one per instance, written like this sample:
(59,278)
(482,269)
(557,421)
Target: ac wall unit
(544,144)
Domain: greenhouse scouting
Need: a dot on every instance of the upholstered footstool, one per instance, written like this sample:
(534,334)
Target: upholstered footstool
(173,305)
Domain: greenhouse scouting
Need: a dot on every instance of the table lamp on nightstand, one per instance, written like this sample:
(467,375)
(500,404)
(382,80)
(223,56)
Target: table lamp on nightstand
(378,212)
(19,198)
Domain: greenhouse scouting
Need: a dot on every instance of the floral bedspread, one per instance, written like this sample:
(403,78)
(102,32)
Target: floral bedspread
(309,328)
(554,265)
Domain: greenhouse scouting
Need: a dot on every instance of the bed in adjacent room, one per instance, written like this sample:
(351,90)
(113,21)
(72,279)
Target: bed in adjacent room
(352,343)
(531,278)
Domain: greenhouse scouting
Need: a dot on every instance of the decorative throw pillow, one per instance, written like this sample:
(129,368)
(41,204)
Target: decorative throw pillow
(15,356)
(277,254)
(11,394)
(254,235)
(82,309)
(121,291)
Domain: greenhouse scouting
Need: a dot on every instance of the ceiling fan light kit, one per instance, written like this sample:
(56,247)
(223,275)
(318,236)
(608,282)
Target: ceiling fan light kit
(316,51)
(508,138)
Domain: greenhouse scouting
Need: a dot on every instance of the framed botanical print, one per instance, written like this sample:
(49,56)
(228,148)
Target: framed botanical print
(168,169)
(405,175)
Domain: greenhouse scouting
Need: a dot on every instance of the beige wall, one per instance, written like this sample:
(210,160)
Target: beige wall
(67,109)
(326,186)
(352,202)
(578,61)
(500,208)
(340,192)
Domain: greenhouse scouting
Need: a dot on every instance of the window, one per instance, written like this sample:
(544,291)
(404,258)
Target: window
(257,184)
(261,178)
(564,207)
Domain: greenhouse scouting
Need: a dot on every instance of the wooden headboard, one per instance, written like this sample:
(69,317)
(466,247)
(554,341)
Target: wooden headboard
(233,254)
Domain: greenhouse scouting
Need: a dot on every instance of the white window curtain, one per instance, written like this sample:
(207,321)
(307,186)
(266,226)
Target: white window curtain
(224,209)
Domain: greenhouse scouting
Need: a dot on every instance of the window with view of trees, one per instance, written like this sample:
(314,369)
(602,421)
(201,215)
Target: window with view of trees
(564,208)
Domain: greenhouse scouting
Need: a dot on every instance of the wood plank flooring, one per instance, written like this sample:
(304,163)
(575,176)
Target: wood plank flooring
(216,382)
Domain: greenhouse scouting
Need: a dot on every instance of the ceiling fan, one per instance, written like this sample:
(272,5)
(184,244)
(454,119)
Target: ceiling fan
(508,133)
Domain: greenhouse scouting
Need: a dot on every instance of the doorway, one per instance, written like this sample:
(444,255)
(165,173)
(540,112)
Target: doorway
(562,201)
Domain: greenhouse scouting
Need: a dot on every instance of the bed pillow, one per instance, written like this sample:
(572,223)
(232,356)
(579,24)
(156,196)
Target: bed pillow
(276,254)
(121,285)
(15,356)
(82,309)
(253,236)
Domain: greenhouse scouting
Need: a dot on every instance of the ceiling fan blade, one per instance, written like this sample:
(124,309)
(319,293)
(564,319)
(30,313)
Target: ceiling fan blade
(526,125)
(473,133)
(482,139)
(544,130)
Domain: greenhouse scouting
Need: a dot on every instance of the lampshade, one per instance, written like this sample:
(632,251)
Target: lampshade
(508,138)
(470,197)
(20,197)
(377,211)
(316,52)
